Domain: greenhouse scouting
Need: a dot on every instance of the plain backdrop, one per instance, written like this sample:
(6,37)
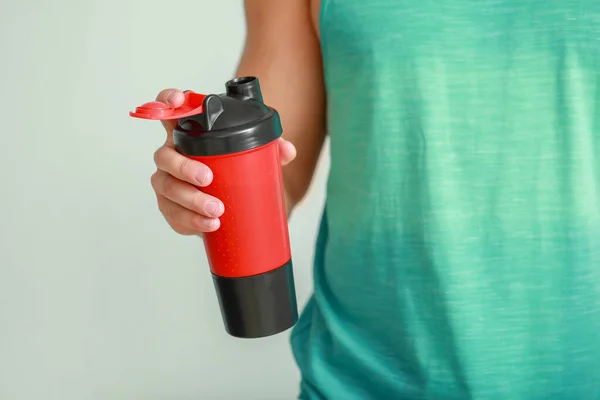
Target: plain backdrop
(99,299)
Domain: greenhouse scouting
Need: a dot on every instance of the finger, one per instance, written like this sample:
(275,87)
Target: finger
(173,98)
(287,151)
(186,195)
(185,219)
(169,160)
(182,230)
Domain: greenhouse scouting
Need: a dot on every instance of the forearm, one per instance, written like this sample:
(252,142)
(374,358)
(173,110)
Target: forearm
(283,51)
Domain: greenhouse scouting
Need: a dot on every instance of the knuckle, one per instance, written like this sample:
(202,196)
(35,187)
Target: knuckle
(164,208)
(185,167)
(198,201)
(158,155)
(169,188)
(161,202)
(154,179)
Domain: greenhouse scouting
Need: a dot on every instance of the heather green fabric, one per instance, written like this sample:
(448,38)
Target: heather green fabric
(459,251)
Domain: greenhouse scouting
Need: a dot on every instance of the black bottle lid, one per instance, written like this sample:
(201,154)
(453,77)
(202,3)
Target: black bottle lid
(232,122)
(217,124)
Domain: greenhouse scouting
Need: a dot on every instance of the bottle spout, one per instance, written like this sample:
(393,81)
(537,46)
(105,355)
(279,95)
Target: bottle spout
(246,87)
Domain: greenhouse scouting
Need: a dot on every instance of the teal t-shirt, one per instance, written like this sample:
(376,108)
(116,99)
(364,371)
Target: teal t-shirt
(459,250)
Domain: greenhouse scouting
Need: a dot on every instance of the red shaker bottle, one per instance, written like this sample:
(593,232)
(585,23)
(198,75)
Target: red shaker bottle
(235,134)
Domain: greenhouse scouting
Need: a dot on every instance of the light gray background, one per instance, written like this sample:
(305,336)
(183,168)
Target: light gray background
(99,299)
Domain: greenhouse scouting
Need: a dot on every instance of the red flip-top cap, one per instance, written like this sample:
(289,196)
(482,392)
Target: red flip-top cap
(156,110)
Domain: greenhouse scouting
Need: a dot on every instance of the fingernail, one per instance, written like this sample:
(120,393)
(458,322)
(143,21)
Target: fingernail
(212,208)
(202,176)
(212,223)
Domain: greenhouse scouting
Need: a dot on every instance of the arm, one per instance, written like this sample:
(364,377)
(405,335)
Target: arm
(283,51)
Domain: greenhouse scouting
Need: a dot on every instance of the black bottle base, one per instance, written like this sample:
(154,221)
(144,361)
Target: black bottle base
(260,305)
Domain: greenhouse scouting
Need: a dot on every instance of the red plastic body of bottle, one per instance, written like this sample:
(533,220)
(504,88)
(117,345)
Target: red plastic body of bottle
(253,237)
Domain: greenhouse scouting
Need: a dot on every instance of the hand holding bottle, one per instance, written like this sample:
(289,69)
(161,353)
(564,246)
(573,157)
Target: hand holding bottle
(178,181)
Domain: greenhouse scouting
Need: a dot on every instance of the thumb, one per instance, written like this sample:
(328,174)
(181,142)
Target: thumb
(287,151)
(172,98)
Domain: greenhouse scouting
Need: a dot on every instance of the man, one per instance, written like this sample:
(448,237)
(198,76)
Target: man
(459,250)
